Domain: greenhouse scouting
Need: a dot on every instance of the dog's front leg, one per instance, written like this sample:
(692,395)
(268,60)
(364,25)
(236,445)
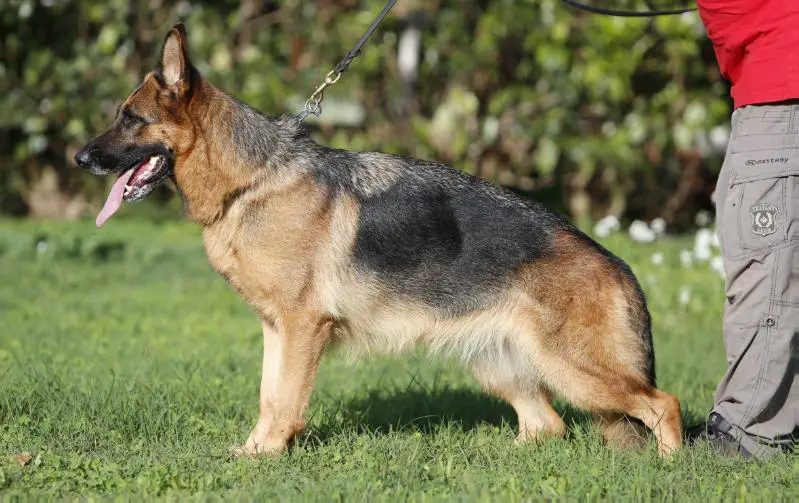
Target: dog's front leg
(292,349)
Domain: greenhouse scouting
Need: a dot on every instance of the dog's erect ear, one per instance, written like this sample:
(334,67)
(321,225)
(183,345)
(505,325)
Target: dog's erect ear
(175,64)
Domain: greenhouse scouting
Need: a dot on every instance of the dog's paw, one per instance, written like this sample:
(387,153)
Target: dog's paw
(528,438)
(252,449)
(240,451)
(532,435)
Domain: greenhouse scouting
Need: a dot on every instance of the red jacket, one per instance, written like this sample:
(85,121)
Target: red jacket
(757,47)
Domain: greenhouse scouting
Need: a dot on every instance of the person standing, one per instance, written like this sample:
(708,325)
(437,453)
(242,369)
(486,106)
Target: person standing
(756,410)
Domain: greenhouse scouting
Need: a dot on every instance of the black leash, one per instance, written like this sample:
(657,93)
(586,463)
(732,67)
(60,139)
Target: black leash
(356,51)
(626,13)
(314,103)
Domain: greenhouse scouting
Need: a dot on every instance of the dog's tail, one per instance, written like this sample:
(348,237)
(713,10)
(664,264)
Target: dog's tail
(639,318)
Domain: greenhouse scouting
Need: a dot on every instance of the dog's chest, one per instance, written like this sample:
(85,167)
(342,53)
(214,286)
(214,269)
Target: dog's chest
(272,266)
(250,279)
(223,255)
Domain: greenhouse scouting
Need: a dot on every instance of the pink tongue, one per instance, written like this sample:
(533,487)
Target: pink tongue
(114,200)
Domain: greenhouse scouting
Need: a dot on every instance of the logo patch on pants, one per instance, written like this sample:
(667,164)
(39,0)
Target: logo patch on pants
(764,218)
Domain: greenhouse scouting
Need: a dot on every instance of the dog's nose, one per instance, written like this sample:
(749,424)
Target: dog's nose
(84,158)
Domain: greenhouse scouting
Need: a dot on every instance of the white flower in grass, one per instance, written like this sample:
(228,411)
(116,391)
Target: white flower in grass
(717,264)
(702,244)
(641,233)
(606,226)
(702,218)
(719,136)
(657,258)
(686,259)
(601,232)
(714,240)
(41,246)
(684,296)
(702,253)
(658,226)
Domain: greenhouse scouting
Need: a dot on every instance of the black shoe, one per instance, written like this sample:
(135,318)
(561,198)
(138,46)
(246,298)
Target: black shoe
(696,432)
(716,432)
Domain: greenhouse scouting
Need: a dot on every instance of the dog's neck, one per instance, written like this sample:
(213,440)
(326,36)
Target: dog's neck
(235,146)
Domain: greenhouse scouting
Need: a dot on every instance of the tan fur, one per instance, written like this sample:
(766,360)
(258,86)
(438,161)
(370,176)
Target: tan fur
(619,430)
(584,346)
(284,244)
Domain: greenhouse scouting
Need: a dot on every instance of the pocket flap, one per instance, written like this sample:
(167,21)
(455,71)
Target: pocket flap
(763,164)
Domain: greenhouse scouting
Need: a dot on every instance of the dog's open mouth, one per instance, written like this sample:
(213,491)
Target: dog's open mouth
(135,184)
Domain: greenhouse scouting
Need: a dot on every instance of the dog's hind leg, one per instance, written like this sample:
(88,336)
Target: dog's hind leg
(589,337)
(611,392)
(660,412)
(619,430)
(537,417)
(292,349)
(530,401)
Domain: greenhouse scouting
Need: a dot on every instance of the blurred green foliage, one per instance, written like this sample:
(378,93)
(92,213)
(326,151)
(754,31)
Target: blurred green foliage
(608,112)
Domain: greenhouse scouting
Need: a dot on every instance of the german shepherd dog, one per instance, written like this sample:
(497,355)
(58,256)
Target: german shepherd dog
(386,252)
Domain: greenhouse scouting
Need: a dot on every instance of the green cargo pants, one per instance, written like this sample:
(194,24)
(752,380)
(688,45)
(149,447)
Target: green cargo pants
(757,205)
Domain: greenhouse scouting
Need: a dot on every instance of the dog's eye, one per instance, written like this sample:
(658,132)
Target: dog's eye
(129,119)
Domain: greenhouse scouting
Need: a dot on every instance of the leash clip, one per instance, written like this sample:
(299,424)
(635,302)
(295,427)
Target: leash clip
(313,105)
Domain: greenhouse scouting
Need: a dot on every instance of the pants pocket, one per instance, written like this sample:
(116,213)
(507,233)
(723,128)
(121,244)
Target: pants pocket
(761,203)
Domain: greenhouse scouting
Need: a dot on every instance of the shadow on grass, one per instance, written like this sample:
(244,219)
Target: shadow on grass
(425,411)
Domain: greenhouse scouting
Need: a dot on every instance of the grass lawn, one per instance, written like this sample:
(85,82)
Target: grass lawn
(127,367)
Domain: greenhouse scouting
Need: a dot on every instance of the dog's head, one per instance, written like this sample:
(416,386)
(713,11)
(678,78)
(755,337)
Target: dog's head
(151,130)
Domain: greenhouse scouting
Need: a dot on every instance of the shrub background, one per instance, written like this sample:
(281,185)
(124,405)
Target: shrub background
(593,115)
